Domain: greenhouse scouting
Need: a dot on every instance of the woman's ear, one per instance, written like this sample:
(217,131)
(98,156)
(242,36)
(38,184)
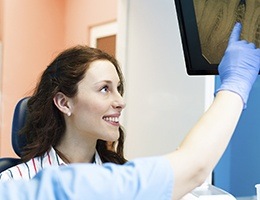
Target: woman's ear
(62,103)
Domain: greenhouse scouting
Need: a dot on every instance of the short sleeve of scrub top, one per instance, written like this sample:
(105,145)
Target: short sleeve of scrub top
(140,179)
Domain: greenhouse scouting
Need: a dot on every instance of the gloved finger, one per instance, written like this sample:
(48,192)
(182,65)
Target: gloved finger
(235,34)
(245,44)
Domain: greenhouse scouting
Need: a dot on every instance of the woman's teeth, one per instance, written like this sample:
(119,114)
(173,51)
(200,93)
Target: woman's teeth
(111,119)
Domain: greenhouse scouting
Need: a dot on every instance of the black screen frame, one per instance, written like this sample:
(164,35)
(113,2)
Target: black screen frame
(196,64)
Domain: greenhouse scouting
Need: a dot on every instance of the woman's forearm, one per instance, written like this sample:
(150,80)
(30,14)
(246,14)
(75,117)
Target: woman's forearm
(205,143)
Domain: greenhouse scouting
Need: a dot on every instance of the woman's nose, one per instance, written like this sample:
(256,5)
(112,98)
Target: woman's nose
(119,102)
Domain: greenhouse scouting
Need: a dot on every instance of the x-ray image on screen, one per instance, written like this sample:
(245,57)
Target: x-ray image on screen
(205,27)
(215,20)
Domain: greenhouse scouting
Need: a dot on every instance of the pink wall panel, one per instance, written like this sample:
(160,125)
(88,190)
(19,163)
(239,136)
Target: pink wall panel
(1,19)
(33,32)
(82,14)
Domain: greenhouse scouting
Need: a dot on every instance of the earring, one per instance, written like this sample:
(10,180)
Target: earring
(69,113)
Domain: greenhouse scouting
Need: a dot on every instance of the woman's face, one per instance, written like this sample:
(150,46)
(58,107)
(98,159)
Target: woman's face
(97,107)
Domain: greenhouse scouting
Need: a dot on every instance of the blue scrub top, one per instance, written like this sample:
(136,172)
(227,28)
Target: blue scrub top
(140,179)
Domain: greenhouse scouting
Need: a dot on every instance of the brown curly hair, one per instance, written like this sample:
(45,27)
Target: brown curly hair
(45,124)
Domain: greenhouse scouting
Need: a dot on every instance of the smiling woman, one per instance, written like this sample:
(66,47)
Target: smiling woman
(98,100)
(74,113)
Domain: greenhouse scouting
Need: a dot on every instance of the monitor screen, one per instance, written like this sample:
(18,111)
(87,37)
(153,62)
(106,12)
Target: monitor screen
(205,26)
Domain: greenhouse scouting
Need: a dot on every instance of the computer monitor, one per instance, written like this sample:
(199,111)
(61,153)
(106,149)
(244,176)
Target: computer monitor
(205,27)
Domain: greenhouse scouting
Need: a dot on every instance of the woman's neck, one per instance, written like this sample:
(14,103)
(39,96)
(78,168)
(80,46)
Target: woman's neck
(76,151)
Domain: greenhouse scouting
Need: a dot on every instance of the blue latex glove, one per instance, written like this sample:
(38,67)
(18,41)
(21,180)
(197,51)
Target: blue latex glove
(239,66)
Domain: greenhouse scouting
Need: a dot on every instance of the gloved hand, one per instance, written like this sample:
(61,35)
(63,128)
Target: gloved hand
(239,66)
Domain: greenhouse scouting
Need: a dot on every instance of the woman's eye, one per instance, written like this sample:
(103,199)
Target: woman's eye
(119,88)
(104,89)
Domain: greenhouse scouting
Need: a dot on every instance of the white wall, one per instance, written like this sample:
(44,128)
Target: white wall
(163,102)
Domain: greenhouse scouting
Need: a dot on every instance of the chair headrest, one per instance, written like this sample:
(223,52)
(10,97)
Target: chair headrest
(19,118)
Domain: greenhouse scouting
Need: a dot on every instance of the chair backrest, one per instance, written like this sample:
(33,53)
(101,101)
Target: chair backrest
(19,118)
(18,140)
(8,162)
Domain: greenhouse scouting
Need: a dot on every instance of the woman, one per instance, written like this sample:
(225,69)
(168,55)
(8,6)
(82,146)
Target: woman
(74,114)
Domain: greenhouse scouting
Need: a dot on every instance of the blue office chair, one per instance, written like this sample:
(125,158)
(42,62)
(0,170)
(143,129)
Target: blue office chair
(18,141)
